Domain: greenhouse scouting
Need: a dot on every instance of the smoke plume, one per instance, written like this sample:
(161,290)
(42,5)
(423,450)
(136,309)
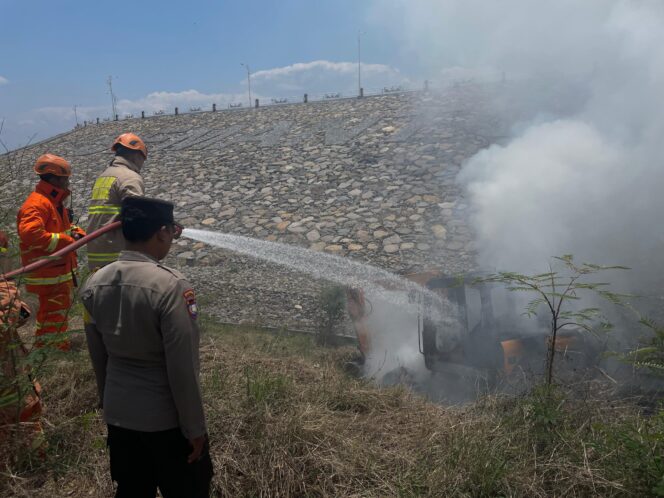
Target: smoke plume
(586,182)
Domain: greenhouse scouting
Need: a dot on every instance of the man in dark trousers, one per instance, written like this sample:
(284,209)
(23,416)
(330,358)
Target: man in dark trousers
(143,340)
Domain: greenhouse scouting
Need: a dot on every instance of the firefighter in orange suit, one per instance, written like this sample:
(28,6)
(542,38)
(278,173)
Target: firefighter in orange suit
(43,228)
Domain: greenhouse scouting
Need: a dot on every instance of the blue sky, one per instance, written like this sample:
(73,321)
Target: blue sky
(57,54)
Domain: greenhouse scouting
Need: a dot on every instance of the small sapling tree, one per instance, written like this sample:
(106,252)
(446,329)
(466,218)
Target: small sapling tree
(332,304)
(650,355)
(556,292)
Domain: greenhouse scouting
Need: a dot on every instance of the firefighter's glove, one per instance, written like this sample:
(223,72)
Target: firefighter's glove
(76,232)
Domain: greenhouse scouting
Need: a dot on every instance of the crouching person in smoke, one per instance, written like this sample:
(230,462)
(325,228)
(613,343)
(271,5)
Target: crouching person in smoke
(143,340)
(4,252)
(20,403)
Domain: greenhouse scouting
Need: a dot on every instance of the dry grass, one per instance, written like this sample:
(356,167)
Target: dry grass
(285,420)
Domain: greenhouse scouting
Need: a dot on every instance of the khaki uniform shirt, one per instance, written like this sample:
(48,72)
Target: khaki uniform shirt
(143,340)
(121,179)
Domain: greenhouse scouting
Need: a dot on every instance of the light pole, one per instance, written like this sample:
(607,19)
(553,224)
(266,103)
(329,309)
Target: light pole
(359,62)
(76,116)
(248,81)
(113,99)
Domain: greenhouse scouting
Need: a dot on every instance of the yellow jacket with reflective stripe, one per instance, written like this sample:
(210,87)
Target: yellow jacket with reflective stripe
(120,179)
(43,225)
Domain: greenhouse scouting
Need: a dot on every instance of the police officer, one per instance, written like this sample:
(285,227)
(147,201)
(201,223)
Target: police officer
(143,341)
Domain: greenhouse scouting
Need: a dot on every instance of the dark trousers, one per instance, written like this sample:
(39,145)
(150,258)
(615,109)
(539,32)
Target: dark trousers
(141,462)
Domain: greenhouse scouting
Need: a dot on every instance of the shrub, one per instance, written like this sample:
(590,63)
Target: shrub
(332,303)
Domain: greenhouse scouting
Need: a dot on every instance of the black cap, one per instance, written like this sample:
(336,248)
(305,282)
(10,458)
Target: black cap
(155,210)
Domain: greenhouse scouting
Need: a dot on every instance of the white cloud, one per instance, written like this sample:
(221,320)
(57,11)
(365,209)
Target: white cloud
(3,80)
(314,78)
(324,66)
(324,76)
(167,101)
(47,121)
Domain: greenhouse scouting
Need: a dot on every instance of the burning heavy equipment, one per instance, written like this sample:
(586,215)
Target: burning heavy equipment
(465,324)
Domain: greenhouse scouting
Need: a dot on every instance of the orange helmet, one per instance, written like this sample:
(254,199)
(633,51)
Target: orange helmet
(131,141)
(50,163)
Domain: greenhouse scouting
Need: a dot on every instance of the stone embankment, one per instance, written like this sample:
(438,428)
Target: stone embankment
(371,179)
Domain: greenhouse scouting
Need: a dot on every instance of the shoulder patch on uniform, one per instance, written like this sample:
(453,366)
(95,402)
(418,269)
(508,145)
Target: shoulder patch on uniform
(190,300)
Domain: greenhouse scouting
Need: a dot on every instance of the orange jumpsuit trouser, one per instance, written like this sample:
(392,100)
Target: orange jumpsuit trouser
(54,306)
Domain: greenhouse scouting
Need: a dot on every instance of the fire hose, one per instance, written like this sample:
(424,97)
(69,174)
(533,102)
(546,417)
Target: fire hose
(53,258)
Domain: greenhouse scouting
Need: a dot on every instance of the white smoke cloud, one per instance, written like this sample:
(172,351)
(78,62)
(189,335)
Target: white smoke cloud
(588,184)
(546,193)
(515,36)
(3,80)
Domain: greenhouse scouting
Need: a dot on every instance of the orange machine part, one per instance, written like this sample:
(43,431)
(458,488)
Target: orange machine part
(513,351)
